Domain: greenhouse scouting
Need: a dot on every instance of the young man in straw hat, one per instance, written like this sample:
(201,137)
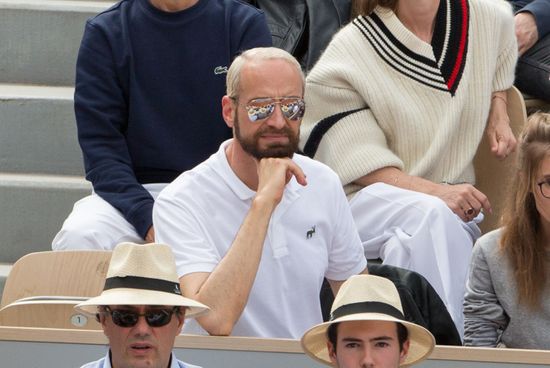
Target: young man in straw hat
(367,328)
(141,308)
(252,236)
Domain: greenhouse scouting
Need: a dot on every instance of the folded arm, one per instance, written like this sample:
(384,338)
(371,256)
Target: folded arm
(102,117)
(532,22)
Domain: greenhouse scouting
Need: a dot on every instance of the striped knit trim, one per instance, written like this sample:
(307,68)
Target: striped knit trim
(449,44)
(451,51)
(320,129)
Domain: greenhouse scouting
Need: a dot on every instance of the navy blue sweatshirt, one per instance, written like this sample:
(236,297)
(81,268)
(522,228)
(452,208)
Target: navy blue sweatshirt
(148,93)
(540,10)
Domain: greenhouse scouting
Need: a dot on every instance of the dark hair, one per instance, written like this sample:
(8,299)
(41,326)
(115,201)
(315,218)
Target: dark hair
(332,333)
(402,334)
(365,7)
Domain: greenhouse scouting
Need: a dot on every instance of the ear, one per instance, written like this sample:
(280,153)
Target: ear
(404,351)
(331,353)
(100,317)
(181,318)
(228,110)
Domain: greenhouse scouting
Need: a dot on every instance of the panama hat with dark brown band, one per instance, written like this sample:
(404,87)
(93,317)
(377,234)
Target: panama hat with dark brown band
(368,298)
(142,275)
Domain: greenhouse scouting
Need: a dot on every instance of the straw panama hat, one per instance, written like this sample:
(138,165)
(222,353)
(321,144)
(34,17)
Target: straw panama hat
(368,298)
(141,274)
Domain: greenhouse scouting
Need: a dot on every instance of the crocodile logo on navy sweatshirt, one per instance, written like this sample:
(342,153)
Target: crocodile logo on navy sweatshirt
(220,70)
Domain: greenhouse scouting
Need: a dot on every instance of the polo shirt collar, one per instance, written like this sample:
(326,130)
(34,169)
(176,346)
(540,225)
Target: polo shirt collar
(173,361)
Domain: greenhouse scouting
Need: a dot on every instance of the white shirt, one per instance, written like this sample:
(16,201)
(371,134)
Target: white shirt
(311,235)
(105,362)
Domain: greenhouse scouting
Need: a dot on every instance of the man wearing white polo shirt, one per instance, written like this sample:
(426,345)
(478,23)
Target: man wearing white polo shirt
(256,228)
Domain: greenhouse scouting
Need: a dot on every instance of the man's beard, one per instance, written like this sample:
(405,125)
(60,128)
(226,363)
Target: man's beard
(281,150)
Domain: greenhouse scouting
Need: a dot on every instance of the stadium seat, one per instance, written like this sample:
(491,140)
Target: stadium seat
(43,287)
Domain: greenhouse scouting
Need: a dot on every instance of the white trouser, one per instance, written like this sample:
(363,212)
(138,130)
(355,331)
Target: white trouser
(418,232)
(95,224)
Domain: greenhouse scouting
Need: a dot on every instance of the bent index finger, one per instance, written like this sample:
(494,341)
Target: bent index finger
(294,170)
(482,198)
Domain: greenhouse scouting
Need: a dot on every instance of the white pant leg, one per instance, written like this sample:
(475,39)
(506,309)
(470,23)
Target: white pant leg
(95,224)
(418,232)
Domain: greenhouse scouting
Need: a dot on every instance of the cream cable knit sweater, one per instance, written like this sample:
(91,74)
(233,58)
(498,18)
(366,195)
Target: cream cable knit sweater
(381,97)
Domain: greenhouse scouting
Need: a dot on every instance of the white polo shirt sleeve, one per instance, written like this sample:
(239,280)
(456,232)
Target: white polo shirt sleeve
(346,254)
(177,225)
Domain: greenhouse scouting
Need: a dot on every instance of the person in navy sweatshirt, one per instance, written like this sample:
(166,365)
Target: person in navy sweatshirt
(150,76)
(532,23)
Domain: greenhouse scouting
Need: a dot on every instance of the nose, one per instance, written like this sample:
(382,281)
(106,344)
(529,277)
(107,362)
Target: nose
(142,328)
(366,360)
(277,120)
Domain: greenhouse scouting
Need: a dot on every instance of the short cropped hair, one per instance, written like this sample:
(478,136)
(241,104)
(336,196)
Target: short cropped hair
(257,54)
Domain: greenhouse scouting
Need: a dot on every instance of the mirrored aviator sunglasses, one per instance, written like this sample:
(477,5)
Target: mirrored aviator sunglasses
(129,318)
(292,108)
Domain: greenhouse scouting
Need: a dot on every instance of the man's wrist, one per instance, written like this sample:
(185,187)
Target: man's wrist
(263,203)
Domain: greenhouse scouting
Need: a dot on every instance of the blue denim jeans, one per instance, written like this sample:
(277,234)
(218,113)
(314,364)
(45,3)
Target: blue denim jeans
(533,70)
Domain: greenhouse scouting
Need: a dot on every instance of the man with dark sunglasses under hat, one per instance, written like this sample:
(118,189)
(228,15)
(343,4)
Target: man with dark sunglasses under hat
(256,228)
(141,308)
(367,328)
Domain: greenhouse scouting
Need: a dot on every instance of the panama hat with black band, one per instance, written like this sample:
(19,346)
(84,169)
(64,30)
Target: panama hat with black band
(141,274)
(368,298)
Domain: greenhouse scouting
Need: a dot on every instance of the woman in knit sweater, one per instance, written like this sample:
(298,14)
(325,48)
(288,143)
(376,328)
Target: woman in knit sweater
(507,299)
(397,106)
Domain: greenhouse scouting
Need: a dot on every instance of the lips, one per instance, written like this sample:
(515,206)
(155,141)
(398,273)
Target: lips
(141,347)
(275,136)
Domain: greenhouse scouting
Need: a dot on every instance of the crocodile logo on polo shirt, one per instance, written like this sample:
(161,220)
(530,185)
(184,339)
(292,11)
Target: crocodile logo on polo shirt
(220,70)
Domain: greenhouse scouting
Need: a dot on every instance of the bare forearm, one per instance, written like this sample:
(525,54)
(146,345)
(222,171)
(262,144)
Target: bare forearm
(501,138)
(463,199)
(227,288)
(394,176)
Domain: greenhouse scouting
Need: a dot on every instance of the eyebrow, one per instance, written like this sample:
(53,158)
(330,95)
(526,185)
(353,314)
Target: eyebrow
(351,339)
(378,338)
(382,338)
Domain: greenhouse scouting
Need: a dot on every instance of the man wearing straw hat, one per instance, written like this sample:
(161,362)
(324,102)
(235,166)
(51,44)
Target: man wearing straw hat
(367,328)
(141,282)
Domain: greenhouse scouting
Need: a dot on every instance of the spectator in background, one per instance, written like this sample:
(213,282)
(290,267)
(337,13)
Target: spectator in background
(304,27)
(141,308)
(397,106)
(507,301)
(255,228)
(532,24)
(149,78)
(368,329)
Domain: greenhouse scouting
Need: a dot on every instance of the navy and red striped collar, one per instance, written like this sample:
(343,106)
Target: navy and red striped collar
(439,65)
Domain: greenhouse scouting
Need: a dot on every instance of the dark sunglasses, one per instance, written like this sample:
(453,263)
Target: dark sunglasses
(129,318)
(258,109)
